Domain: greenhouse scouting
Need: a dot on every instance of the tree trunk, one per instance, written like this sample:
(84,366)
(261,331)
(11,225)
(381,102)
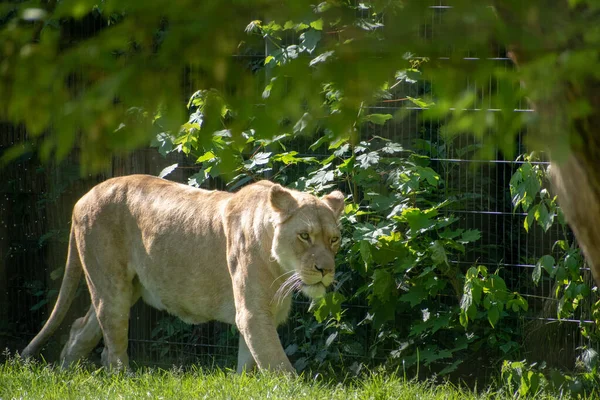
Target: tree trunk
(575,183)
(575,170)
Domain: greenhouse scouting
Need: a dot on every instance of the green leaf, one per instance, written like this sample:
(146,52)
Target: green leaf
(493,315)
(367,160)
(208,156)
(537,273)
(438,253)
(164,142)
(267,91)
(304,124)
(547,262)
(167,170)
(330,304)
(418,220)
(309,40)
(429,174)
(420,103)
(528,222)
(544,218)
(525,186)
(572,263)
(466,304)
(408,75)
(451,233)
(318,24)
(57,273)
(320,177)
(392,148)
(416,295)
(470,235)
(261,158)
(321,58)
(383,285)
(289,158)
(38,305)
(451,368)
(253,26)
(365,253)
(378,119)
(330,339)
(198,178)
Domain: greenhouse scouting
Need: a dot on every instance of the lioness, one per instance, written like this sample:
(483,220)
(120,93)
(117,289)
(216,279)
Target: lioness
(200,255)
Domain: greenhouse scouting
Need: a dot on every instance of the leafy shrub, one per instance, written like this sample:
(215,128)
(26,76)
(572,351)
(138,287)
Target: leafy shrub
(565,266)
(401,296)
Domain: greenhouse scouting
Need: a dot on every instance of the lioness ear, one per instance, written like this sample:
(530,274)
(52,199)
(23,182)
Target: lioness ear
(282,200)
(335,201)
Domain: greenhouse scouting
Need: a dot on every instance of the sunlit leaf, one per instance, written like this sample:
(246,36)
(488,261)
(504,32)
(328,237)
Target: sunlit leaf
(167,170)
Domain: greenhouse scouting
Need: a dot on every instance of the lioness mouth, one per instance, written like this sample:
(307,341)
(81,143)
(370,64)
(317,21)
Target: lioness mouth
(314,291)
(319,284)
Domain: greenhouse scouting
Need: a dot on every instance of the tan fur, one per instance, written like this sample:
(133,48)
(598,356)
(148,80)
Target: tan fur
(201,255)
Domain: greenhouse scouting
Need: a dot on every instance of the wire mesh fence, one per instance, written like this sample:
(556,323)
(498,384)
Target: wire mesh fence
(36,204)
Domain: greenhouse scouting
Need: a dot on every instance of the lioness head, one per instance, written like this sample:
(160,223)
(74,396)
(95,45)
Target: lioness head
(306,238)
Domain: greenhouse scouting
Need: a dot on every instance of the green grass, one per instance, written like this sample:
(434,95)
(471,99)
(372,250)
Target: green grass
(25,380)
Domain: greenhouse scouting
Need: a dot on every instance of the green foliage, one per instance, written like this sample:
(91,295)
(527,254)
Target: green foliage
(531,380)
(101,69)
(170,330)
(397,255)
(490,291)
(565,266)
(400,246)
(529,193)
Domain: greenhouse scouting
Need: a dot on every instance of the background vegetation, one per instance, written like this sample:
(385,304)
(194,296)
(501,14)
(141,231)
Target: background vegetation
(301,94)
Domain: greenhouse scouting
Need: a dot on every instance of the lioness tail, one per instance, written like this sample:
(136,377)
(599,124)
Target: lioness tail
(66,295)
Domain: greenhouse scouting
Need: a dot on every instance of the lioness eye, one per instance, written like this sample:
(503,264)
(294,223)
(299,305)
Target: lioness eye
(304,236)
(334,239)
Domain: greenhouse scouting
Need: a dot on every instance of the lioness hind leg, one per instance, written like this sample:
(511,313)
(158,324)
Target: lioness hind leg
(113,317)
(85,335)
(114,322)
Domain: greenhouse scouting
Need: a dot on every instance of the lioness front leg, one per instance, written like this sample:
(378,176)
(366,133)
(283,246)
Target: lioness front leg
(258,330)
(254,318)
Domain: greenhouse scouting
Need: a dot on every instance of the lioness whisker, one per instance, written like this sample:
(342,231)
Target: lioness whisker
(286,287)
(292,287)
(282,275)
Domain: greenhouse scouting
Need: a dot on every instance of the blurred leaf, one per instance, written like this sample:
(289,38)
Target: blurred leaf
(321,58)
(167,170)
(378,119)
(309,40)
